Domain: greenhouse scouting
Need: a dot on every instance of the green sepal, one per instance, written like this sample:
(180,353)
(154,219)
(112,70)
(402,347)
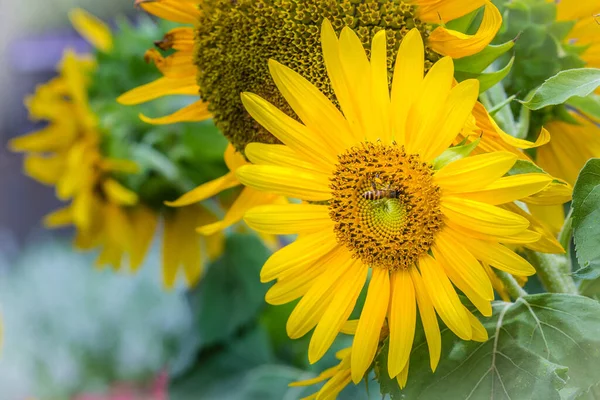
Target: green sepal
(486,80)
(480,61)
(454,153)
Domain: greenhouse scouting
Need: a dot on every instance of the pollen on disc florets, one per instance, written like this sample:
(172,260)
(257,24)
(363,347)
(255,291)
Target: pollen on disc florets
(236,38)
(385,205)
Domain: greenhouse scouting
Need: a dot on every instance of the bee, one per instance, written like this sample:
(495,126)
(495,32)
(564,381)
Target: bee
(378,194)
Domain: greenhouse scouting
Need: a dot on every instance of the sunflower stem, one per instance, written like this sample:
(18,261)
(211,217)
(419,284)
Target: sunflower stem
(564,236)
(551,271)
(512,286)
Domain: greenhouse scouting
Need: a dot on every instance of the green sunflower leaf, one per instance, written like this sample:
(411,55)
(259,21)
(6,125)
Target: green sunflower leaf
(563,86)
(543,346)
(586,214)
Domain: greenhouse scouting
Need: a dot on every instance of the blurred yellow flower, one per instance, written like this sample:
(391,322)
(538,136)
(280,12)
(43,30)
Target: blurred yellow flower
(67,154)
(374,203)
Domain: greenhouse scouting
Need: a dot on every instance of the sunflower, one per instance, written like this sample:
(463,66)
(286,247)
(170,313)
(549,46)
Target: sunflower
(374,204)
(224,48)
(70,154)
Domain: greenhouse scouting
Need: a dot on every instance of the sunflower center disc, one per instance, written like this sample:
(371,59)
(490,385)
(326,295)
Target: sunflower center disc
(385,205)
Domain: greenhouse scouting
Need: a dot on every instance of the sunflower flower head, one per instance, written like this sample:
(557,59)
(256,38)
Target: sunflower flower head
(226,51)
(375,205)
(115,170)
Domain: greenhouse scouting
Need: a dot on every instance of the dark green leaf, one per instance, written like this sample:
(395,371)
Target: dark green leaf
(532,345)
(564,85)
(586,214)
(231,294)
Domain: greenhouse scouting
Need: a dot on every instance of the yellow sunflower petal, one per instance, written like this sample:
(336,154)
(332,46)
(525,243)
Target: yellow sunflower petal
(177,65)
(475,172)
(314,303)
(298,280)
(161,87)
(92,29)
(379,87)
(328,373)
(444,298)
(206,190)
(402,319)
(428,318)
(457,44)
(338,311)
(47,170)
(371,320)
(195,112)
(303,251)
(357,72)
(312,106)
(143,223)
(118,194)
(406,83)
(431,100)
(402,378)
(53,138)
(460,103)
(185,12)
(246,200)
(481,217)
(335,385)
(433,10)
(479,332)
(285,181)
(61,217)
(289,219)
(455,254)
(510,188)
(300,138)
(335,71)
(499,256)
(278,154)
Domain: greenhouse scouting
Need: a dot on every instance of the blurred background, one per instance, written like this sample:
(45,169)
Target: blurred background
(70,331)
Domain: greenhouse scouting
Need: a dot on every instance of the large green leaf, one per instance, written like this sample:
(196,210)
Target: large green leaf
(564,85)
(231,294)
(543,346)
(586,214)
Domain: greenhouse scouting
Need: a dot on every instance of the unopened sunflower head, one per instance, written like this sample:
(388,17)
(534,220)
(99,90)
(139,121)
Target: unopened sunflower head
(115,170)
(226,49)
(376,198)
